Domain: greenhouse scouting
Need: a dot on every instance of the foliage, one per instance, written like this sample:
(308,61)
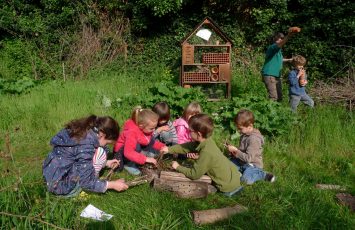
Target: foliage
(16,86)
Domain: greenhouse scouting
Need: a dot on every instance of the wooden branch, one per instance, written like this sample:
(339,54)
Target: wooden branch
(181,177)
(213,215)
(32,218)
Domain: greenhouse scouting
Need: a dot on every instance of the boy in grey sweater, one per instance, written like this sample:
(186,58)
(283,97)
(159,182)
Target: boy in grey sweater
(248,156)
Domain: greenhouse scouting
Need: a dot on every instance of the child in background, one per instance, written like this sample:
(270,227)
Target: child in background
(248,156)
(165,131)
(211,160)
(298,81)
(181,126)
(136,140)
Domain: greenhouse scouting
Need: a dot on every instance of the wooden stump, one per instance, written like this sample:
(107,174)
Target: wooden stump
(213,215)
(347,200)
(183,189)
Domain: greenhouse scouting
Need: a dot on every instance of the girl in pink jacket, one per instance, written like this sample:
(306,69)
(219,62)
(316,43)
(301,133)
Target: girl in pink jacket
(181,126)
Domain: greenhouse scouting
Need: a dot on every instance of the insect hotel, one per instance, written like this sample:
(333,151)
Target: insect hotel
(206,58)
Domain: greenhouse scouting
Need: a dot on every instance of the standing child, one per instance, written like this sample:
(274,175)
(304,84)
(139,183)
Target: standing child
(165,131)
(136,140)
(211,160)
(78,155)
(298,80)
(248,156)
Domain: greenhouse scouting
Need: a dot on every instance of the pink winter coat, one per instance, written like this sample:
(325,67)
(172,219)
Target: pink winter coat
(182,130)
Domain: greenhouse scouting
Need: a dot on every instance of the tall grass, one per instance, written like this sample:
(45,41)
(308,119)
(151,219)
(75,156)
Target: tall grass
(319,149)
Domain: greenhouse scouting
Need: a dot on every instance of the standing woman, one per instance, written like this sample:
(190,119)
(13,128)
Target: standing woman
(79,154)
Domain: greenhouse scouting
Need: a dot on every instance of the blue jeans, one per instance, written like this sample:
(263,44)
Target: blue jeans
(250,173)
(295,100)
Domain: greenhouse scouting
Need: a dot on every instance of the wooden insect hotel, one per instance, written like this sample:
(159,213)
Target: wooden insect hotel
(206,58)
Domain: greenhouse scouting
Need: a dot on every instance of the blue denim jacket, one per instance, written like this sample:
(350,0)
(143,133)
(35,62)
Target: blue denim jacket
(70,163)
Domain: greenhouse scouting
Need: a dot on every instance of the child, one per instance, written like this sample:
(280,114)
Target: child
(78,155)
(298,81)
(211,160)
(181,126)
(165,131)
(137,139)
(248,156)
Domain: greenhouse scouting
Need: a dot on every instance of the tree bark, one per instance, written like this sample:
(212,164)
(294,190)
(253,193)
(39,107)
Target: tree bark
(213,215)
(181,177)
(183,189)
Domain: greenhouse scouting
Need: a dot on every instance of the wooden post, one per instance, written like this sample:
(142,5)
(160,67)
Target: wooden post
(213,215)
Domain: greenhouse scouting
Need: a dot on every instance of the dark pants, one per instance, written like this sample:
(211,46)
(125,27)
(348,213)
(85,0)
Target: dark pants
(139,148)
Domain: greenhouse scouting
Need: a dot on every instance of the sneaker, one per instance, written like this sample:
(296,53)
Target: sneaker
(270,177)
(132,169)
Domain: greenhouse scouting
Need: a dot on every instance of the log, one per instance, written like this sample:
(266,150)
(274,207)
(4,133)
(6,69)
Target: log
(183,189)
(181,177)
(213,215)
(347,200)
(330,187)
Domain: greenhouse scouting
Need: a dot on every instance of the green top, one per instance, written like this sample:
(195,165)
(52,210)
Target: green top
(273,61)
(212,162)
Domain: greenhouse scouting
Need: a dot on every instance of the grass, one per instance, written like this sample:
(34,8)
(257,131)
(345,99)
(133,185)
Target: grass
(319,149)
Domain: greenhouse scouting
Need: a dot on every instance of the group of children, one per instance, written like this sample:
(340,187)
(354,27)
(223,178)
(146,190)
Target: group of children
(80,150)
(150,132)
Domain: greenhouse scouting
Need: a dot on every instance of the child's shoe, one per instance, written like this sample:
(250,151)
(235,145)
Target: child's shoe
(132,169)
(270,177)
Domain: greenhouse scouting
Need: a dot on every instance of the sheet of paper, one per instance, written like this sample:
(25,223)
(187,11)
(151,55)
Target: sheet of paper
(94,213)
(204,34)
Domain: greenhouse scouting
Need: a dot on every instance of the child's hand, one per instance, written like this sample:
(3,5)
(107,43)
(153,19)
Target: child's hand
(164,150)
(151,160)
(175,165)
(112,163)
(303,82)
(163,128)
(233,150)
(118,185)
(194,156)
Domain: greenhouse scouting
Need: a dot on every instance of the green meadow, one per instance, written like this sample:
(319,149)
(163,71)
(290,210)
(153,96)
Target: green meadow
(317,148)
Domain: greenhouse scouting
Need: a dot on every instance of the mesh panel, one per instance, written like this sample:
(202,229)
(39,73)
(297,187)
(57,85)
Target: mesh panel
(196,77)
(215,58)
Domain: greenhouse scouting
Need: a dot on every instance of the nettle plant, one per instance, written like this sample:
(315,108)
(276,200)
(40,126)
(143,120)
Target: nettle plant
(272,118)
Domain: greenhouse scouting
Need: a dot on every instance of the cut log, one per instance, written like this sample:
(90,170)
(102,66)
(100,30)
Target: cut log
(150,173)
(347,200)
(183,189)
(330,187)
(181,177)
(213,215)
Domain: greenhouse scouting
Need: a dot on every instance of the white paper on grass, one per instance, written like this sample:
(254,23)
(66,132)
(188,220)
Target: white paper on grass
(94,213)
(205,34)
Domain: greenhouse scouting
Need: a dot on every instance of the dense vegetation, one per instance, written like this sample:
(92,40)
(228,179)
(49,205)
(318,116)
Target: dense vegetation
(64,39)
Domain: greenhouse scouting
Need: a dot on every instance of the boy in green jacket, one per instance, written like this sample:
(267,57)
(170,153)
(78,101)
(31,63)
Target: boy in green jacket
(210,161)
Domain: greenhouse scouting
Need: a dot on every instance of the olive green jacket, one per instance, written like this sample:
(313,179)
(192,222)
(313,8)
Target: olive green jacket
(212,162)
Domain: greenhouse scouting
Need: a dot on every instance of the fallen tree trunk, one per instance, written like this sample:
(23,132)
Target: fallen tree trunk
(213,215)
(181,177)
(184,189)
